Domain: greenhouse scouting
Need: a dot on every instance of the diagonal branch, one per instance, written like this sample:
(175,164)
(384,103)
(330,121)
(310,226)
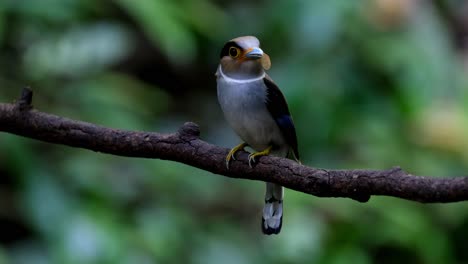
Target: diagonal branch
(185,146)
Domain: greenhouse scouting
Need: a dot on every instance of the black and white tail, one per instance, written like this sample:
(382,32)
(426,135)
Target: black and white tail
(272,218)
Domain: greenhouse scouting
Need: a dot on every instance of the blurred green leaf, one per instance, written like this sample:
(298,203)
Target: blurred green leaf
(161,23)
(3,256)
(370,84)
(81,51)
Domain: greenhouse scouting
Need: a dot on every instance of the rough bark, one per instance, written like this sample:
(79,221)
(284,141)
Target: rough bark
(186,147)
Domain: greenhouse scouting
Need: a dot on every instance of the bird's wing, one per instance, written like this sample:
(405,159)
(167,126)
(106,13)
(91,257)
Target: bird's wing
(278,108)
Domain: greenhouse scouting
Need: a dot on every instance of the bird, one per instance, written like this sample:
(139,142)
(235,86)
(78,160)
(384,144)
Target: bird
(257,111)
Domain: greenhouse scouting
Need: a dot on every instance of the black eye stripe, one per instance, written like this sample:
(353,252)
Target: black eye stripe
(227,46)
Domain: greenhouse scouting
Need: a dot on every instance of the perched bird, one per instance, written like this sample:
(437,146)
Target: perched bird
(257,111)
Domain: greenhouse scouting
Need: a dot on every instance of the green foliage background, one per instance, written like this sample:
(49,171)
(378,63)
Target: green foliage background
(370,83)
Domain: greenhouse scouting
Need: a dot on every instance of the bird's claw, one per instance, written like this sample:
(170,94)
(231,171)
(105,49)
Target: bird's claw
(232,152)
(251,159)
(252,156)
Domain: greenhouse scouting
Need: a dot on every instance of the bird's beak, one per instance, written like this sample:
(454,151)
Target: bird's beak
(254,53)
(257,53)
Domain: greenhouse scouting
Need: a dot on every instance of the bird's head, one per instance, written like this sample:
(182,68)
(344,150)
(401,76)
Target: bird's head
(242,58)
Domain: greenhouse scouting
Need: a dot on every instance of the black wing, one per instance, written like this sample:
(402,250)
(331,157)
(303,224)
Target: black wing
(278,108)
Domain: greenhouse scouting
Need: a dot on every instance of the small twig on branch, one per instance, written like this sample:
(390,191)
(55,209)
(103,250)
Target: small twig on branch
(185,146)
(24,102)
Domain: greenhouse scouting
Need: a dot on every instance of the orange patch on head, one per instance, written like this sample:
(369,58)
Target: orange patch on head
(241,58)
(243,54)
(247,51)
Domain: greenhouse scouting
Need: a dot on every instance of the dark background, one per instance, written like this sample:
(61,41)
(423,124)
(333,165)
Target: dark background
(371,84)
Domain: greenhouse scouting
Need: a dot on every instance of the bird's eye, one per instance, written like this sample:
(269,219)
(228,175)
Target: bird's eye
(234,52)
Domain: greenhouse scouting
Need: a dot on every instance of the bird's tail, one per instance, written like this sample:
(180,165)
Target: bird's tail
(272,218)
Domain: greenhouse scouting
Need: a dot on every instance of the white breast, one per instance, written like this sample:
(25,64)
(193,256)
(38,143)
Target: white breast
(243,104)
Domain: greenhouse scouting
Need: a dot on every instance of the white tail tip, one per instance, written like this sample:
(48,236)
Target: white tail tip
(272,219)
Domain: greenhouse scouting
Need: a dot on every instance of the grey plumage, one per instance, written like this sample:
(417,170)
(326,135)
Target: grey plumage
(243,104)
(246,94)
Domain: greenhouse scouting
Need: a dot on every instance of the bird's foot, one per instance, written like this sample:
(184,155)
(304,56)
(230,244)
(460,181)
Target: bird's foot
(233,151)
(258,154)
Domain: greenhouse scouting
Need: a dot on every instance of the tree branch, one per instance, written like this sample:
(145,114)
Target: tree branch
(186,147)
